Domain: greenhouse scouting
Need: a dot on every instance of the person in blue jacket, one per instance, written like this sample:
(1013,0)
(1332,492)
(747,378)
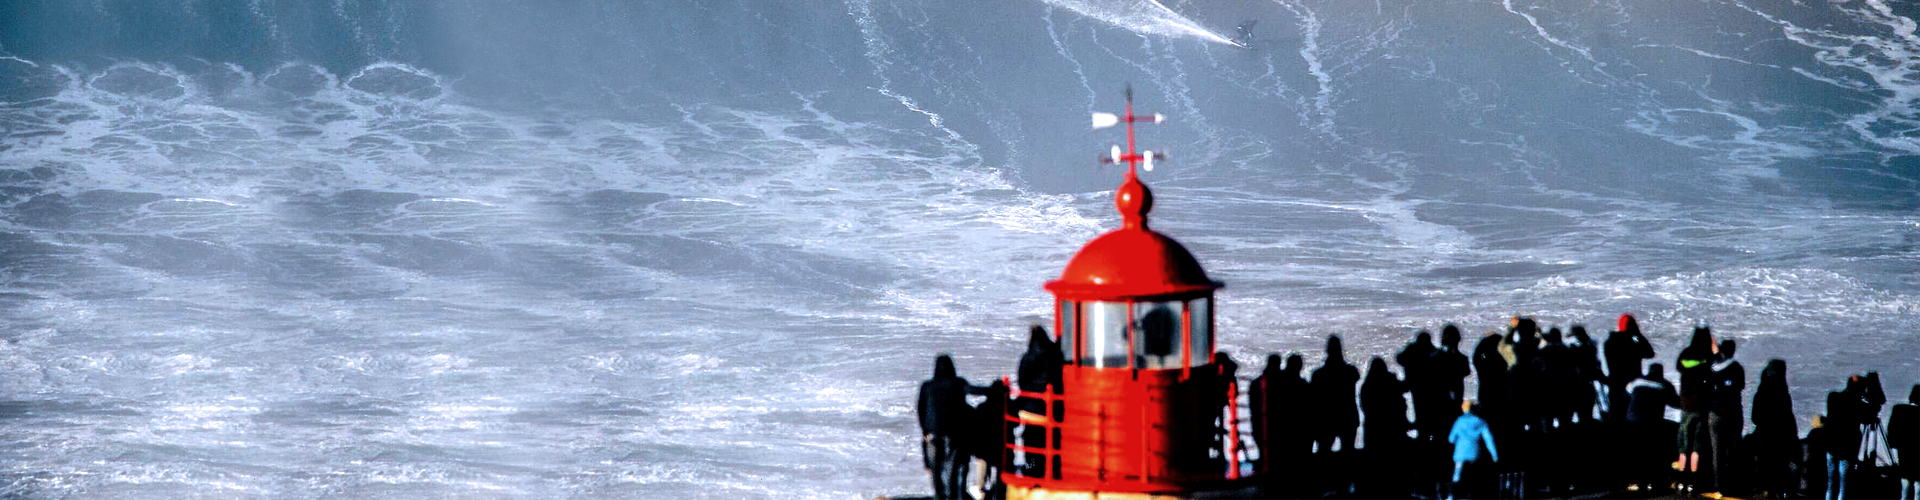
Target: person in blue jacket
(1470,435)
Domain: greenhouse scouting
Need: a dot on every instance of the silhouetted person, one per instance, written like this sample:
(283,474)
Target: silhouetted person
(1383,397)
(1413,357)
(1841,434)
(1584,362)
(1523,381)
(1724,416)
(1776,433)
(990,437)
(1903,441)
(1444,383)
(1626,349)
(1696,398)
(1226,377)
(1159,333)
(1282,429)
(1553,380)
(1490,368)
(945,419)
(1337,410)
(1647,424)
(1473,445)
(1848,411)
(1039,373)
(1039,369)
(1523,335)
(1263,405)
(1413,360)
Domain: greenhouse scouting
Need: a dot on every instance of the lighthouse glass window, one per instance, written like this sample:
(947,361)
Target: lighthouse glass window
(1200,326)
(1159,345)
(1103,342)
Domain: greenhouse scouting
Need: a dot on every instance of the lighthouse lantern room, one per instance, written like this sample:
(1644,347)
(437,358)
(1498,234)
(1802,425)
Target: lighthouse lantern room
(1142,410)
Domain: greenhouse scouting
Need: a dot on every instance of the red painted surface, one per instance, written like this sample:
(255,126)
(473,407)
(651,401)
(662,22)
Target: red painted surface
(1125,434)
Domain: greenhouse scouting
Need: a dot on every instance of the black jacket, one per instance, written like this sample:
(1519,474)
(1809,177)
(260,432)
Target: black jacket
(1730,382)
(1383,397)
(1625,352)
(1772,404)
(943,402)
(1333,385)
(1651,397)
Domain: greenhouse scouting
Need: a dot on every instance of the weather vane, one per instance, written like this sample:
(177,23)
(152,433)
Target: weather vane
(1132,159)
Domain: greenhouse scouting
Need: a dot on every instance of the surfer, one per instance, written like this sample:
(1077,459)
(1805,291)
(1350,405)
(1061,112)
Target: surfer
(1245,38)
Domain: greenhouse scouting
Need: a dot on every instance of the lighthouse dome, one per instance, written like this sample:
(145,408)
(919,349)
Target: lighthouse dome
(1133,262)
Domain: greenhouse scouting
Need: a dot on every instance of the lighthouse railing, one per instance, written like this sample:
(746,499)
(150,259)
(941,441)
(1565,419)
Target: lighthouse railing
(1045,421)
(1049,421)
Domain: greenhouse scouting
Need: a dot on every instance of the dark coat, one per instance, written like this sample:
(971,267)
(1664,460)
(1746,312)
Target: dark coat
(1772,404)
(1696,373)
(1491,368)
(1039,369)
(990,432)
(1842,427)
(1903,434)
(1626,350)
(1277,398)
(1333,396)
(943,402)
(1383,397)
(1729,383)
(1651,397)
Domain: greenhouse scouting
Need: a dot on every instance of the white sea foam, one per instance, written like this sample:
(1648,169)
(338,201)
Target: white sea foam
(1146,17)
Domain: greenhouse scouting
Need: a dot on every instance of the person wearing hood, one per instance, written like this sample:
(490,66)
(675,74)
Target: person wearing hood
(1039,369)
(1626,350)
(1039,372)
(945,419)
(1470,436)
(1776,433)
(1333,395)
(1647,424)
(1383,399)
(1724,416)
(1696,398)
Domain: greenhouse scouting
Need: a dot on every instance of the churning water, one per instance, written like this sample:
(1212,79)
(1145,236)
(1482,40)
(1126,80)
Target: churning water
(361,249)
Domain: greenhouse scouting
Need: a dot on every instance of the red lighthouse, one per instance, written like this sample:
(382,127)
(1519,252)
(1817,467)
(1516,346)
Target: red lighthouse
(1139,413)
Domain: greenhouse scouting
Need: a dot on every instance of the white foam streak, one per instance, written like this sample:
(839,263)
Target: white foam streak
(1310,52)
(878,50)
(1146,17)
(1059,46)
(1891,64)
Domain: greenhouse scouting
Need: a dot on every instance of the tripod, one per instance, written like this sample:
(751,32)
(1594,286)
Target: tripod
(1873,445)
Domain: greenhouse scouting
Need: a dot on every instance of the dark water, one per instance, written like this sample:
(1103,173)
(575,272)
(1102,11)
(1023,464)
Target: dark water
(361,249)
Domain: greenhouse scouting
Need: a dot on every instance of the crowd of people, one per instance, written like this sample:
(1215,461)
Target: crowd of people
(1546,419)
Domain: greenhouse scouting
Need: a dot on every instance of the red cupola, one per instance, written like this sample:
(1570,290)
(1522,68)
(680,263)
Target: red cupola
(1139,396)
(1132,262)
